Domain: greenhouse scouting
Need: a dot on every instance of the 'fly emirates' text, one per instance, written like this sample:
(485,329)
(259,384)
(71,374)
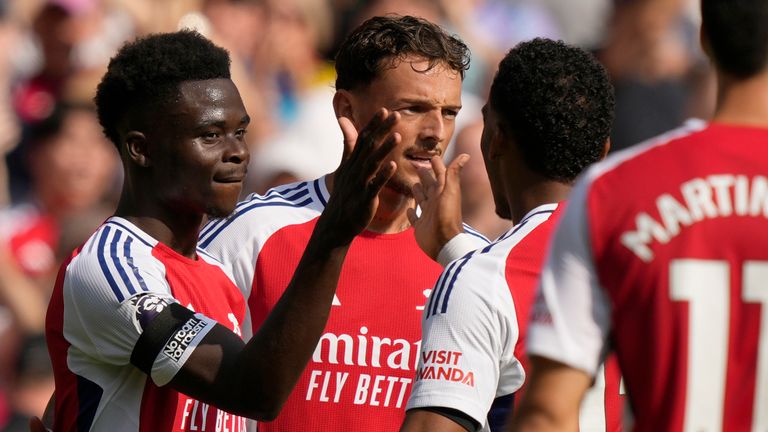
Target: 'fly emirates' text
(362,370)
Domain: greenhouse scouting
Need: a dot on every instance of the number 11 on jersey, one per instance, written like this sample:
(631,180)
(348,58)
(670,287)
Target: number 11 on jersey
(705,285)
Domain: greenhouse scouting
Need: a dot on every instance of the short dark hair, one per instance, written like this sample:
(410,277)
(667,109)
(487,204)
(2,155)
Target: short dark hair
(146,73)
(557,102)
(737,32)
(381,41)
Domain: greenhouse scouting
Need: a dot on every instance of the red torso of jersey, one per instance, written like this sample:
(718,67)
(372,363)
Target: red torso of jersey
(196,284)
(205,289)
(679,234)
(361,374)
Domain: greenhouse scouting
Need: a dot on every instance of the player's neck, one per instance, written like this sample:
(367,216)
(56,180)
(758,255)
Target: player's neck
(537,194)
(391,216)
(176,229)
(743,102)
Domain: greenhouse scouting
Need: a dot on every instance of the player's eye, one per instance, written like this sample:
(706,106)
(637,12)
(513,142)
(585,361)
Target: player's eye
(414,109)
(450,114)
(210,136)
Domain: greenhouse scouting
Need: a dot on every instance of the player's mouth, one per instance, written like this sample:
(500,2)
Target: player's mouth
(230,177)
(421,159)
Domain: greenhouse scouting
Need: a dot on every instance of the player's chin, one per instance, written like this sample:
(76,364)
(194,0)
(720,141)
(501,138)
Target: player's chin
(215,211)
(400,186)
(223,204)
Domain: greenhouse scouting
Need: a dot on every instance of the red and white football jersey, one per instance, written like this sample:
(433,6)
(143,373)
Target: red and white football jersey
(105,296)
(475,326)
(362,370)
(661,256)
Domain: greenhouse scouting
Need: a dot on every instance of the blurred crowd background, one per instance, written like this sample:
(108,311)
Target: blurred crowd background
(59,176)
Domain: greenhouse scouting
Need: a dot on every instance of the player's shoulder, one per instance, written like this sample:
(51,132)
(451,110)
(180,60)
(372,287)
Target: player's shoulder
(477,278)
(644,154)
(115,239)
(258,215)
(117,257)
(487,263)
(468,229)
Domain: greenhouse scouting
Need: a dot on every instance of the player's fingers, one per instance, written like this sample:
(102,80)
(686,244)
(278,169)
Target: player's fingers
(418,193)
(438,167)
(428,180)
(384,128)
(366,137)
(381,153)
(349,132)
(382,176)
(453,172)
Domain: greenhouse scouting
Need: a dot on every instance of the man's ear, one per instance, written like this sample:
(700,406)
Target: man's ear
(137,148)
(498,143)
(343,105)
(606,148)
(704,41)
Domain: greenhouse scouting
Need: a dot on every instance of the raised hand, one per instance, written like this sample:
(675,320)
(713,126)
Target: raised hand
(360,176)
(438,195)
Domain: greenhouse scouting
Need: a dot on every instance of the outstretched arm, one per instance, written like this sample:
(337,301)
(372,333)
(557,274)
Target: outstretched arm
(255,379)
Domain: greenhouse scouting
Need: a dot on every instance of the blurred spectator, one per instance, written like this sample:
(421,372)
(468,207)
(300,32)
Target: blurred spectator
(32,385)
(493,27)
(298,82)
(68,40)
(73,171)
(9,126)
(240,26)
(652,52)
(582,23)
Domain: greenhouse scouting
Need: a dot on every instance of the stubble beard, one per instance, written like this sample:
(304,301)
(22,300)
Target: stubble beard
(400,187)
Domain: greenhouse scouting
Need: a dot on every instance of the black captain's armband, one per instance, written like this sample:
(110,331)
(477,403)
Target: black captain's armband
(461,418)
(169,331)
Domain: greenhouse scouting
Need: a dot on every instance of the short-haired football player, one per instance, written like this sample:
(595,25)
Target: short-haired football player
(362,370)
(143,327)
(661,257)
(548,116)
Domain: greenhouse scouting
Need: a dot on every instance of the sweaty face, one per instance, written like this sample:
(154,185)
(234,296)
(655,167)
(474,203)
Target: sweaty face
(491,134)
(428,101)
(200,156)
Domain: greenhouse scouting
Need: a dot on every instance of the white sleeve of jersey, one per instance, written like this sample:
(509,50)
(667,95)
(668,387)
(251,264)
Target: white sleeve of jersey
(233,242)
(109,301)
(459,246)
(468,342)
(571,317)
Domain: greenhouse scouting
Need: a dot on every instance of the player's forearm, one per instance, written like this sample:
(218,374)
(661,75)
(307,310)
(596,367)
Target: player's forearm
(280,350)
(552,398)
(532,418)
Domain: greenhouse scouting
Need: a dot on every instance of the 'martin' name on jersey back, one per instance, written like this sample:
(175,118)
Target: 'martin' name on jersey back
(716,196)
